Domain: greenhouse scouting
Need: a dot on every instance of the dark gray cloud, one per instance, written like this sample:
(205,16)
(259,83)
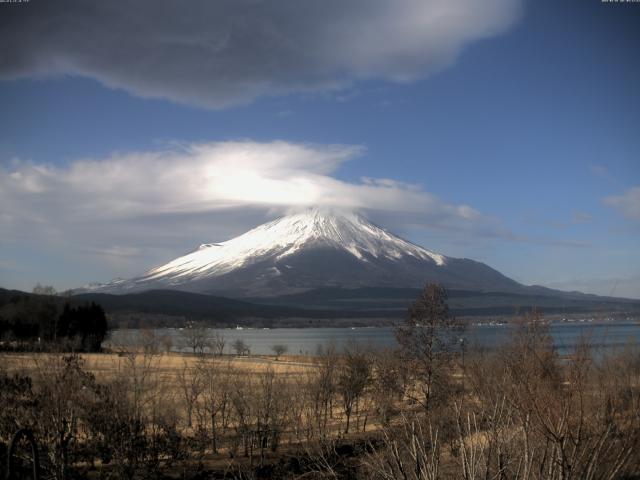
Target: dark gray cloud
(215,53)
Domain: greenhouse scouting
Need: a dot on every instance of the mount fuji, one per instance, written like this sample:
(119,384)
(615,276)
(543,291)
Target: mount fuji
(312,250)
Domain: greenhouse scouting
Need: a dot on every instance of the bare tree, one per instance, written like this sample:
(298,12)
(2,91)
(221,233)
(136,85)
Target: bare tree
(240,347)
(279,350)
(533,415)
(428,340)
(353,377)
(44,290)
(63,390)
(322,389)
(215,380)
(190,383)
(388,383)
(149,340)
(217,344)
(196,337)
(167,342)
(271,407)
(242,404)
(410,451)
(19,403)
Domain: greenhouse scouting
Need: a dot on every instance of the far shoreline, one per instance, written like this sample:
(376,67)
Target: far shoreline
(598,318)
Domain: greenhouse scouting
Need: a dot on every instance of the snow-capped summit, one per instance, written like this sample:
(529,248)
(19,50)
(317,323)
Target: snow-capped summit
(312,249)
(286,236)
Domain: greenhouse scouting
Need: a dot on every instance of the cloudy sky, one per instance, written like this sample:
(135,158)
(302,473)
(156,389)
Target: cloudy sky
(504,130)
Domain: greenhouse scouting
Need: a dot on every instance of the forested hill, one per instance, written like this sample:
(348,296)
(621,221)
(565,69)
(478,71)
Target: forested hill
(323,306)
(50,323)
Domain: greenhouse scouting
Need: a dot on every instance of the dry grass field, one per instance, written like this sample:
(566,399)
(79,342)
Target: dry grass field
(104,365)
(168,374)
(520,412)
(238,409)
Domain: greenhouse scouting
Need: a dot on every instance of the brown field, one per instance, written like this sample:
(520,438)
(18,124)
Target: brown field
(168,373)
(165,372)
(104,365)
(363,414)
(164,378)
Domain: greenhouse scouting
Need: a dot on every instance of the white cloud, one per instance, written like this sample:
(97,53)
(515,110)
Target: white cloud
(580,217)
(100,218)
(117,251)
(166,202)
(96,219)
(226,52)
(200,178)
(628,203)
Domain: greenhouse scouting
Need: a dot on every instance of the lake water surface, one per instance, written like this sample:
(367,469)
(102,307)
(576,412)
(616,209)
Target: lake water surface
(607,335)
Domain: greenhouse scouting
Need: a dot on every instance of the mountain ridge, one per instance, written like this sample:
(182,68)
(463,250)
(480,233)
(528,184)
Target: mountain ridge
(313,249)
(323,307)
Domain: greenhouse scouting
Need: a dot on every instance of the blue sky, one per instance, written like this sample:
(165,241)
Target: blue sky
(531,123)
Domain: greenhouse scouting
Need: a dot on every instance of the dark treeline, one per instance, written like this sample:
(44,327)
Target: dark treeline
(426,411)
(44,321)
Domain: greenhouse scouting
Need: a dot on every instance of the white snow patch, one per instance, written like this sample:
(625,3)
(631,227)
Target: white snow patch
(282,237)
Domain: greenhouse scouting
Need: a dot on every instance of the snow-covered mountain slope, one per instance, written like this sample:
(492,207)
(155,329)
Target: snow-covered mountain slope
(286,236)
(308,250)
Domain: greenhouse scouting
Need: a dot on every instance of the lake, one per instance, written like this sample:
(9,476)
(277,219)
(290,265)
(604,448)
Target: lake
(566,335)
